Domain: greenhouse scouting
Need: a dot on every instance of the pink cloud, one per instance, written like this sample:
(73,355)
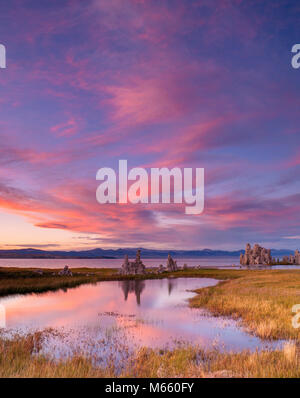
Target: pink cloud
(66,129)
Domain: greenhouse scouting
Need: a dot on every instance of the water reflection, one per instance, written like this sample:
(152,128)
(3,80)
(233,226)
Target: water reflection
(171,284)
(135,287)
(99,317)
(138,286)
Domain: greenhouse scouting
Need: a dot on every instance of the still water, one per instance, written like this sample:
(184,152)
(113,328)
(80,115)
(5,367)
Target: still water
(111,317)
(114,263)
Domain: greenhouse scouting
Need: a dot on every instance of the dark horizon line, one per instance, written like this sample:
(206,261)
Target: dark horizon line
(120,252)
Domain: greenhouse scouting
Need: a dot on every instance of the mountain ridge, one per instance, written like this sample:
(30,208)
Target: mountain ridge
(119,253)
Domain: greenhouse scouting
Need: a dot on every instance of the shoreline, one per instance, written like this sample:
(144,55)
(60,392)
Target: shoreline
(240,294)
(26,280)
(261,299)
(189,361)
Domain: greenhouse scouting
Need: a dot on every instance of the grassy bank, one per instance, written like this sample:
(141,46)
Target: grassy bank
(18,280)
(20,357)
(262,300)
(194,362)
(21,280)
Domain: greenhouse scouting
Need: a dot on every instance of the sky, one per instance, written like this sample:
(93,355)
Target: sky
(174,83)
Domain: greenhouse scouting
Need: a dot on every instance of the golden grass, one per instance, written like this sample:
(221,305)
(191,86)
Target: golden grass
(20,357)
(193,362)
(26,280)
(262,300)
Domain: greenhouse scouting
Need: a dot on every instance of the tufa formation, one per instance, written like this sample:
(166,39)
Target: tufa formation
(138,268)
(292,259)
(256,256)
(133,267)
(171,264)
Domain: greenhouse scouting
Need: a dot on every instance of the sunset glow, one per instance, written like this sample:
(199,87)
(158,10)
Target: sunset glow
(205,84)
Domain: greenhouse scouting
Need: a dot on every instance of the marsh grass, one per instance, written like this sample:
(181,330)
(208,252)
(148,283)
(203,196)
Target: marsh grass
(261,300)
(21,357)
(21,281)
(195,362)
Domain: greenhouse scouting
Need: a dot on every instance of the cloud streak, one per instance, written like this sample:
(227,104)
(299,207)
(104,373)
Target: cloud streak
(162,84)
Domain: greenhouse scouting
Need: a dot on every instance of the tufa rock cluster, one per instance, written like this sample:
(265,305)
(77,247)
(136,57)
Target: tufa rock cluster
(292,259)
(171,264)
(256,256)
(133,267)
(138,268)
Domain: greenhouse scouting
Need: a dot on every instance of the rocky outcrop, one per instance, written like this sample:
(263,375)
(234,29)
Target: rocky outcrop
(171,264)
(292,259)
(256,256)
(65,272)
(133,267)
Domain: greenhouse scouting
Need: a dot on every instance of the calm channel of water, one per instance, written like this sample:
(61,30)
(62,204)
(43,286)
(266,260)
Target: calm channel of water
(118,317)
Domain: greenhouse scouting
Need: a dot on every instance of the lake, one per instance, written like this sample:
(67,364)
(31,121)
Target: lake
(114,263)
(116,318)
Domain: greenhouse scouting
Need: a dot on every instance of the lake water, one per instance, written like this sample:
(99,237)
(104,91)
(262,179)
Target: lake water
(113,263)
(205,262)
(286,267)
(116,318)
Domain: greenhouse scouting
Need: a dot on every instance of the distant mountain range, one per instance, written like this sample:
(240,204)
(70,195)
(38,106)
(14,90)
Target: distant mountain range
(120,253)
